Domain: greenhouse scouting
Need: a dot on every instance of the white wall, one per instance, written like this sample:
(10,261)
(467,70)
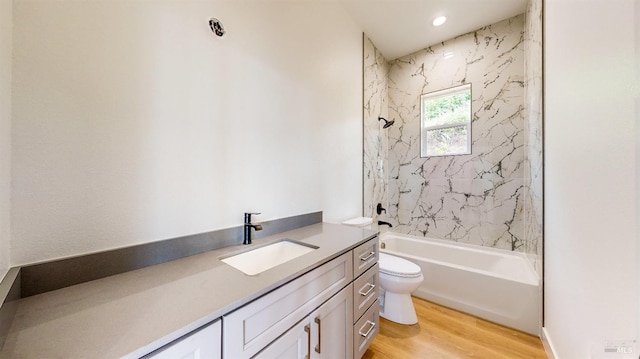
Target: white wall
(133,122)
(591,178)
(637,108)
(5,132)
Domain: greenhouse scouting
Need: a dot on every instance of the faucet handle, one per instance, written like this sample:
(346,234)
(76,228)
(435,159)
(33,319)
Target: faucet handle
(247,216)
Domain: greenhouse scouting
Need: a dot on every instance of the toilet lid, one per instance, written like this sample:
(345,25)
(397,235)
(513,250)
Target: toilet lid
(398,267)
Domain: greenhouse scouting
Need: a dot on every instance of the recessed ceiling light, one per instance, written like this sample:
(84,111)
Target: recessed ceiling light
(439,20)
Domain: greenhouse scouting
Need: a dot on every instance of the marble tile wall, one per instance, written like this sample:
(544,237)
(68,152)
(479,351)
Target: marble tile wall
(478,198)
(533,127)
(376,72)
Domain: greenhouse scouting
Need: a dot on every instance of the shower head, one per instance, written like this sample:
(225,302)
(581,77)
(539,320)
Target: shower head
(387,124)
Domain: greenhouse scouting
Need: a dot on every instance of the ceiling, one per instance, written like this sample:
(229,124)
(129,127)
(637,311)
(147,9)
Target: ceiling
(402,27)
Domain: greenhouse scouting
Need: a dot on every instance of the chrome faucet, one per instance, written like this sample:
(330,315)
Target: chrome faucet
(247,227)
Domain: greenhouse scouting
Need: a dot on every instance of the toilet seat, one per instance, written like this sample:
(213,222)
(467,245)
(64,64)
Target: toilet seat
(398,267)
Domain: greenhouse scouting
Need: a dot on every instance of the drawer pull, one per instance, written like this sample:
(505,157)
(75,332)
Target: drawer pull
(318,348)
(371,288)
(366,258)
(308,330)
(372,325)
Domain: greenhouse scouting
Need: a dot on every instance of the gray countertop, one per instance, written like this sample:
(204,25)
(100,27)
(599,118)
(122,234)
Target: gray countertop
(131,314)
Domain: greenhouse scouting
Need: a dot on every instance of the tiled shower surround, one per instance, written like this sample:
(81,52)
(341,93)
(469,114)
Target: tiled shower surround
(484,198)
(376,144)
(533,125)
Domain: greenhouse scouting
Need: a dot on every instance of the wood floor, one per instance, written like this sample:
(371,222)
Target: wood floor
(445,333)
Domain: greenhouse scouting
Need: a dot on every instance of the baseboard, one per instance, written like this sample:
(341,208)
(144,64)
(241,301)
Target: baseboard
(9,296)
(548,344)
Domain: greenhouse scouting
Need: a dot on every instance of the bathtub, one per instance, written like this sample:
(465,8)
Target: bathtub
(493,284)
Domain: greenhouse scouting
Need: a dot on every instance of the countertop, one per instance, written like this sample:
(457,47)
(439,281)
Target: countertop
(130,314)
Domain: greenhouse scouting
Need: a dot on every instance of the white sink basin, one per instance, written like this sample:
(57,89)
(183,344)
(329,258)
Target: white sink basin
(260,259)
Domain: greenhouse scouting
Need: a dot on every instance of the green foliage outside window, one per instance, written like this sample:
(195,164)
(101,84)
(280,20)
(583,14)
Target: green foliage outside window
(446,122)
(447,110)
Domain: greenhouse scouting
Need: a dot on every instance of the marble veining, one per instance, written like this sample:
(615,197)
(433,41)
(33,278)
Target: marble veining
(481,198)
(376,72)
(475,198)
(533,141)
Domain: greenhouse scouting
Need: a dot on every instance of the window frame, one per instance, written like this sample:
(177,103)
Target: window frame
(424,129)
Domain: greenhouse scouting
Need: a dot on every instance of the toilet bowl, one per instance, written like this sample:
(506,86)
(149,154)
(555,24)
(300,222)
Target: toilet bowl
(398,278)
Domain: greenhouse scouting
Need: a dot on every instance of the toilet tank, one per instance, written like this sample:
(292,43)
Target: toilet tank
(362,222)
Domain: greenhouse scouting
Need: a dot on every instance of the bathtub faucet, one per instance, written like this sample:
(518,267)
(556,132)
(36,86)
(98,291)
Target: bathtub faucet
(380,223)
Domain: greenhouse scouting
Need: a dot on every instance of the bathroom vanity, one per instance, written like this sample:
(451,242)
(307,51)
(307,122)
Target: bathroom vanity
(322,304)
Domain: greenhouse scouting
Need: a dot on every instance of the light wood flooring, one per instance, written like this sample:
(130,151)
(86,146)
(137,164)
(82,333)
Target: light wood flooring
(445,333)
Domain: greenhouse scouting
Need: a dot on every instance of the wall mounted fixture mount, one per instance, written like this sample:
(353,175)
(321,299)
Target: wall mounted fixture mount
(216,26)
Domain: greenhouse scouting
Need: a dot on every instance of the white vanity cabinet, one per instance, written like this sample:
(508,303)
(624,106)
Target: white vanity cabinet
(254,326)
(205,343)
(366,288)
(325,333)
(314,316)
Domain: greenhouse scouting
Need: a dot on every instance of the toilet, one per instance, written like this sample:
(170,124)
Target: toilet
(398,278)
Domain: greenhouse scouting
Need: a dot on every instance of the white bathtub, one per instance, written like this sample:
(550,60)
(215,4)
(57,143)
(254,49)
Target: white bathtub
(493,284)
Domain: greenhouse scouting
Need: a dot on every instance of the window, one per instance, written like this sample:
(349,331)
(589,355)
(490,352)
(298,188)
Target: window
(445,118)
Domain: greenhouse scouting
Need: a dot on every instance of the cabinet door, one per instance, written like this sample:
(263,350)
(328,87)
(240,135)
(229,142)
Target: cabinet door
(203,344)
(325,333)
(332,328)
(294,344)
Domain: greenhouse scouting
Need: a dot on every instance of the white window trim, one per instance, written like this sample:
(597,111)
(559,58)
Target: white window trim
(425,129)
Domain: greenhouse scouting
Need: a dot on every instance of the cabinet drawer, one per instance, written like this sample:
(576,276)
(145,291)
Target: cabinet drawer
(364,256)
(365,330)
(365,291)
(205,343)
(252,327)
(294,344)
